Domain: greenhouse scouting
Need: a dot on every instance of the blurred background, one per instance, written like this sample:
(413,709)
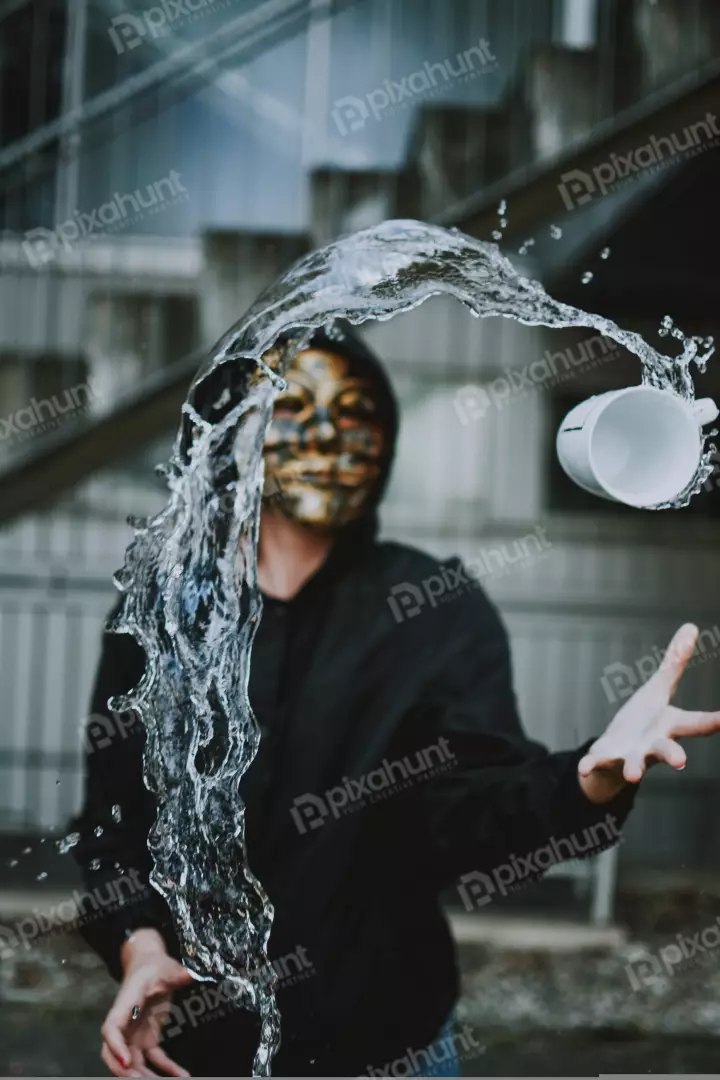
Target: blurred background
(161,165)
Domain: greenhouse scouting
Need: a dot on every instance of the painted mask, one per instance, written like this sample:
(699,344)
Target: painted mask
(325,447)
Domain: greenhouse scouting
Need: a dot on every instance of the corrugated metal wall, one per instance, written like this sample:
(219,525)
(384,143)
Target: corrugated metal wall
(603,593)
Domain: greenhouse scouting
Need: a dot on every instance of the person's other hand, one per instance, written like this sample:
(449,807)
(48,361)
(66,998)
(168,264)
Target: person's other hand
(133,1028)
(645,730)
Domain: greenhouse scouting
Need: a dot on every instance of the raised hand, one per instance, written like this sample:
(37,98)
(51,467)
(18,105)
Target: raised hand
(645,730)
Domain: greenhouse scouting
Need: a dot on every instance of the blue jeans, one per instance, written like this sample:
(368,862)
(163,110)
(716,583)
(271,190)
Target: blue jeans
(441,1057)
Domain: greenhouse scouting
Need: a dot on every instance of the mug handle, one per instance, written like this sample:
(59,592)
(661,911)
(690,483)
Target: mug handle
(705,410)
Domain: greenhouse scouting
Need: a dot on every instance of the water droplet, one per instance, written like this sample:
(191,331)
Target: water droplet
(503,222)
(26,850)
(605,253)
(496,234)
(587,277)
(135,1012)
(502,208)
(41,876)
(525,247)
(68,842)
(116,813)
(44,838)
(99,830)
(555,232)
(64,960)
(57,783)
(94,864)
(13,862)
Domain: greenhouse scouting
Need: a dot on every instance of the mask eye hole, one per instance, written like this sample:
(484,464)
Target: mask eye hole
(356,404)
(287,406)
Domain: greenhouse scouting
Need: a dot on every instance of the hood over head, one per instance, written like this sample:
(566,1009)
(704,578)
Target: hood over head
(217,394)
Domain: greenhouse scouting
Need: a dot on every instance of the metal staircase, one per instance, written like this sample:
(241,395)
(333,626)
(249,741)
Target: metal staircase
(542,190)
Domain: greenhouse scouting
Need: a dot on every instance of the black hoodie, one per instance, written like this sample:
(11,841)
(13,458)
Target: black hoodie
(392,764)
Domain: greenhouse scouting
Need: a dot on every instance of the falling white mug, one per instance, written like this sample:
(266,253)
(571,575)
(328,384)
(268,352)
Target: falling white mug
(640,446)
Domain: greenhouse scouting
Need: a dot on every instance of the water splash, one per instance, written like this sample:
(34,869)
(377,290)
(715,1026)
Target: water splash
(68,842)
(189,579)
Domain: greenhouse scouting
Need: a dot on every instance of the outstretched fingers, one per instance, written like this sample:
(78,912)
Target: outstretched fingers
(599,756)
(676,659)
(634,758)
(688,723)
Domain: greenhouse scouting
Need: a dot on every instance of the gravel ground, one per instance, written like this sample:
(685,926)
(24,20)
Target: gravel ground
(617,993)
(640,1008)
(39,1041)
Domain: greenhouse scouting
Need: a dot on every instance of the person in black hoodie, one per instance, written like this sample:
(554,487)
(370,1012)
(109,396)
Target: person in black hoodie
(392,765)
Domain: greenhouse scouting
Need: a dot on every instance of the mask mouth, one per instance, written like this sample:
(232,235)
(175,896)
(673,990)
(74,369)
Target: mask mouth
(328,471)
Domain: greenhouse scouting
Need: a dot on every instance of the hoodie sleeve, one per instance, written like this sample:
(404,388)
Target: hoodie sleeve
(502,809)
(116,815)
